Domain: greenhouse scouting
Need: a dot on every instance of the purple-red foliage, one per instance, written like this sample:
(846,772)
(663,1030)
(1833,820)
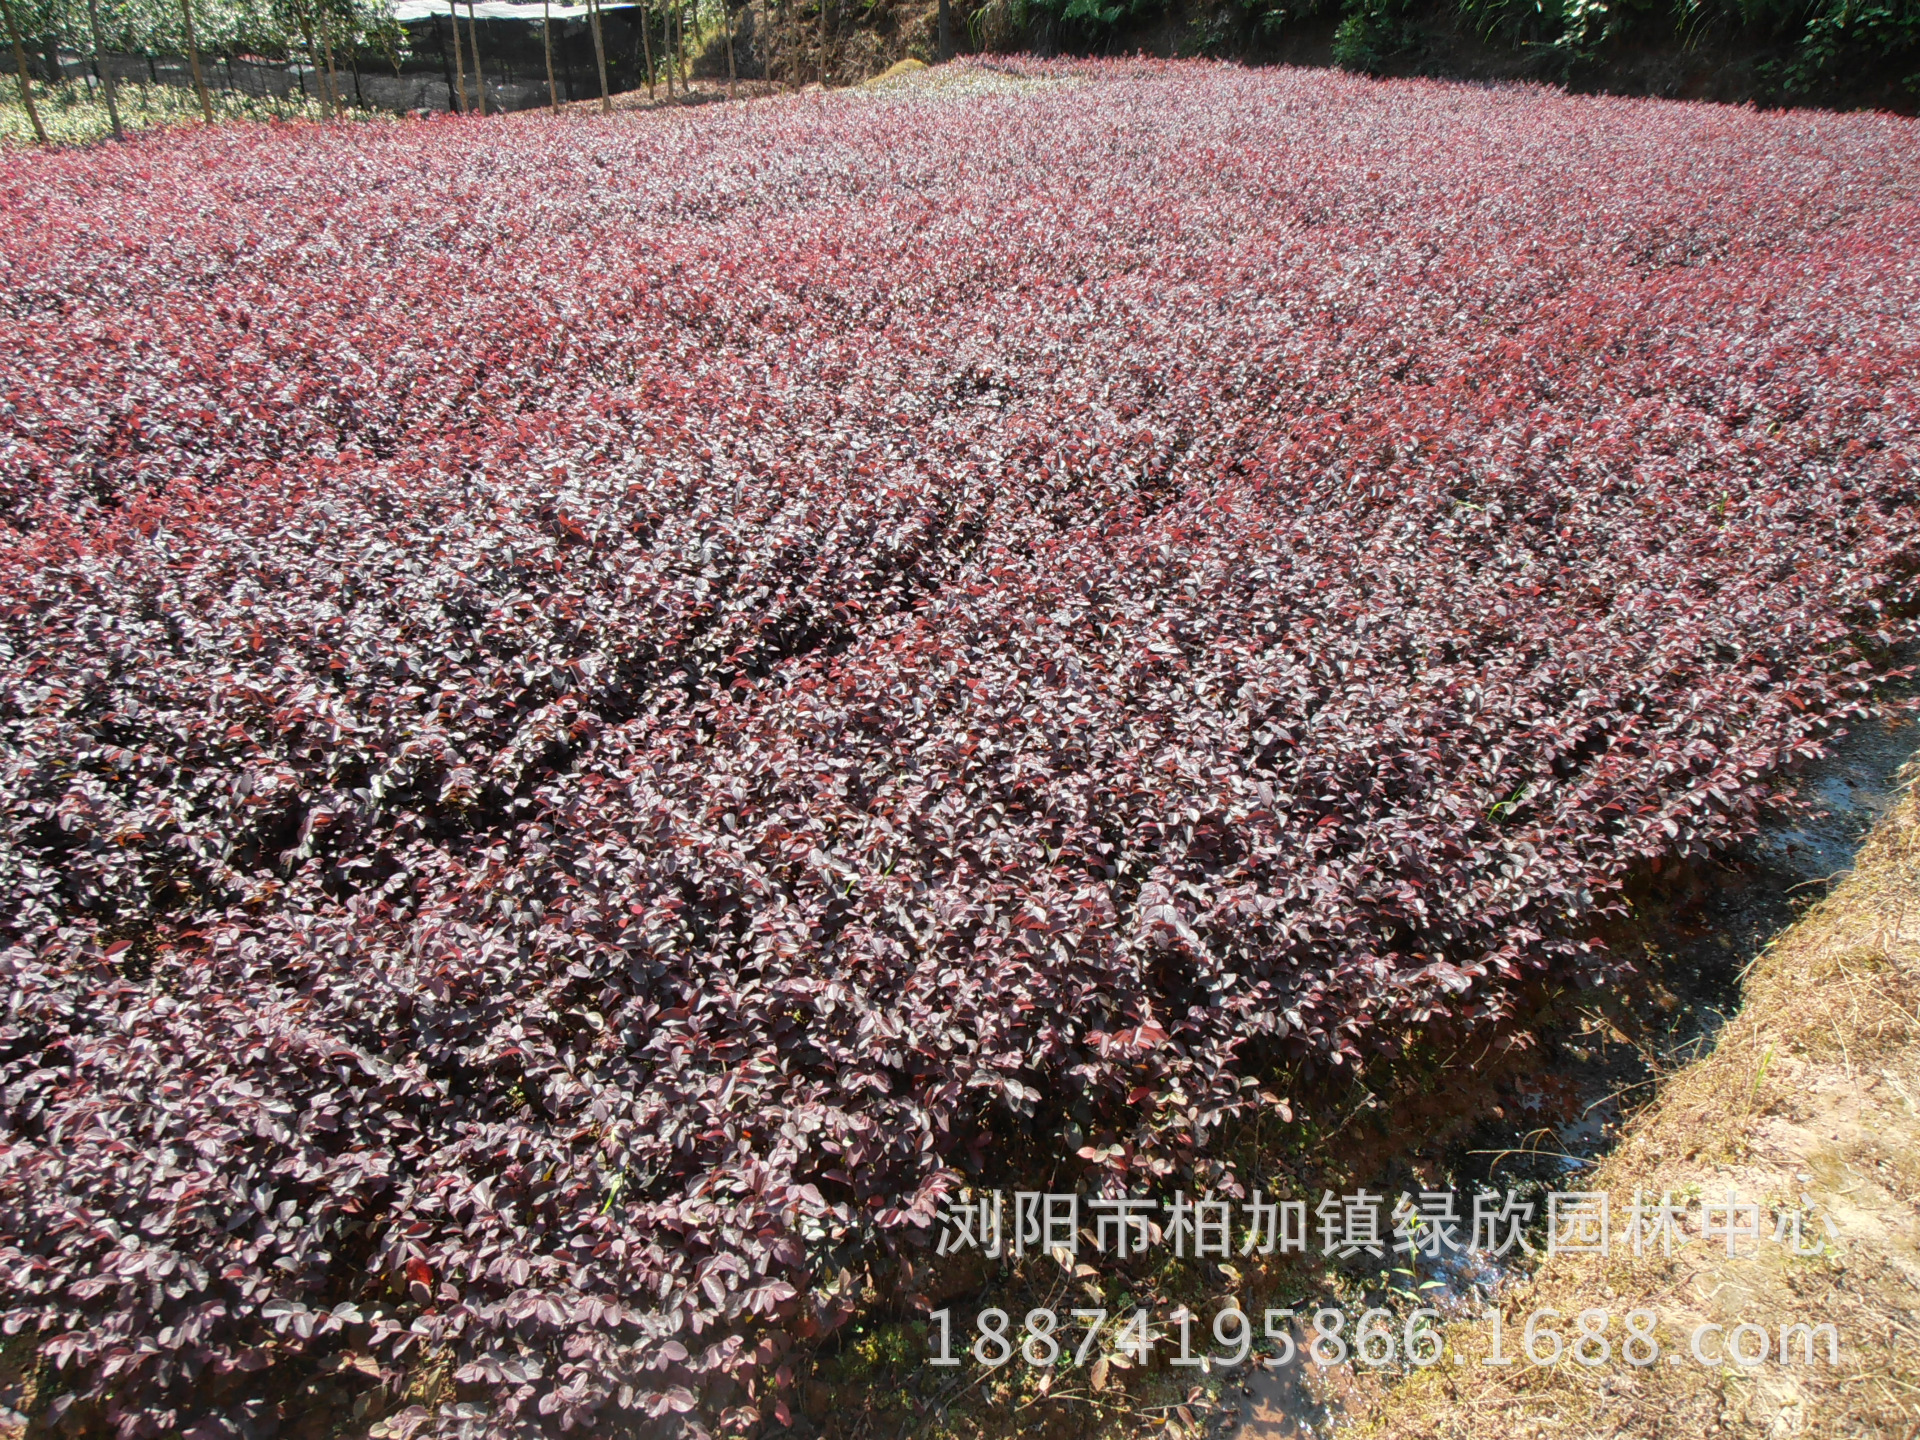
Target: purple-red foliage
(588,703)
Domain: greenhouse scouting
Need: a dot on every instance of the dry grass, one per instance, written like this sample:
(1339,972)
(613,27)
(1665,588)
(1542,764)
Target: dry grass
(700,90)
(963,80)
(896,71)
(1811,1093)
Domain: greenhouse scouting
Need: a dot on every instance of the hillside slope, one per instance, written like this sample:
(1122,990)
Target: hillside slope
(1789,52)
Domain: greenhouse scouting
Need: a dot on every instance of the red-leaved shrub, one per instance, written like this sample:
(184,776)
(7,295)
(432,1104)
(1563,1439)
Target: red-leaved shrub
(592,706)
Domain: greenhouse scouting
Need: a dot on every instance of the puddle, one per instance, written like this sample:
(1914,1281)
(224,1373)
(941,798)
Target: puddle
(1280,1405)
(1854,788)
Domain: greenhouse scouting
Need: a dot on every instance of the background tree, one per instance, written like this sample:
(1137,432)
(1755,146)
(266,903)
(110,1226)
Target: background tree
(20,72)
(108,82)
(193,60)
(546,39)
(600,56)
(473,39)
(646,46)
(459,61)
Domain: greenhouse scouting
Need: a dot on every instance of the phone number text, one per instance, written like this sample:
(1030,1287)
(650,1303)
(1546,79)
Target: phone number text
(1378,1338)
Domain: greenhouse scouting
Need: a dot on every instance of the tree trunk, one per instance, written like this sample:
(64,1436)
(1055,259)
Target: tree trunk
(646,47)
(105,71)
(446,60)
(546,36)
(193,59)
(20,71)
(728,5)
(666,45)
(459,64)
(473,37)
(680,48)
(600,57)
(313,64)
(946,30)
(333,75)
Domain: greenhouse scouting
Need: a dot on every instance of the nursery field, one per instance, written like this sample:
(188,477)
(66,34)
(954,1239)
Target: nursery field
(598,711)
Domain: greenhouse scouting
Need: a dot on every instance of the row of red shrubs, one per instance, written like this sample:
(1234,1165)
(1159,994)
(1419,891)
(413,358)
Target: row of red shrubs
(593,707)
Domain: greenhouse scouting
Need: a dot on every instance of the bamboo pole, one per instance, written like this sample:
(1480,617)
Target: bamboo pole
(193,60)
(106,71)
(459,65)
(20,69)
(473,38)
(600,57)
(546,34)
